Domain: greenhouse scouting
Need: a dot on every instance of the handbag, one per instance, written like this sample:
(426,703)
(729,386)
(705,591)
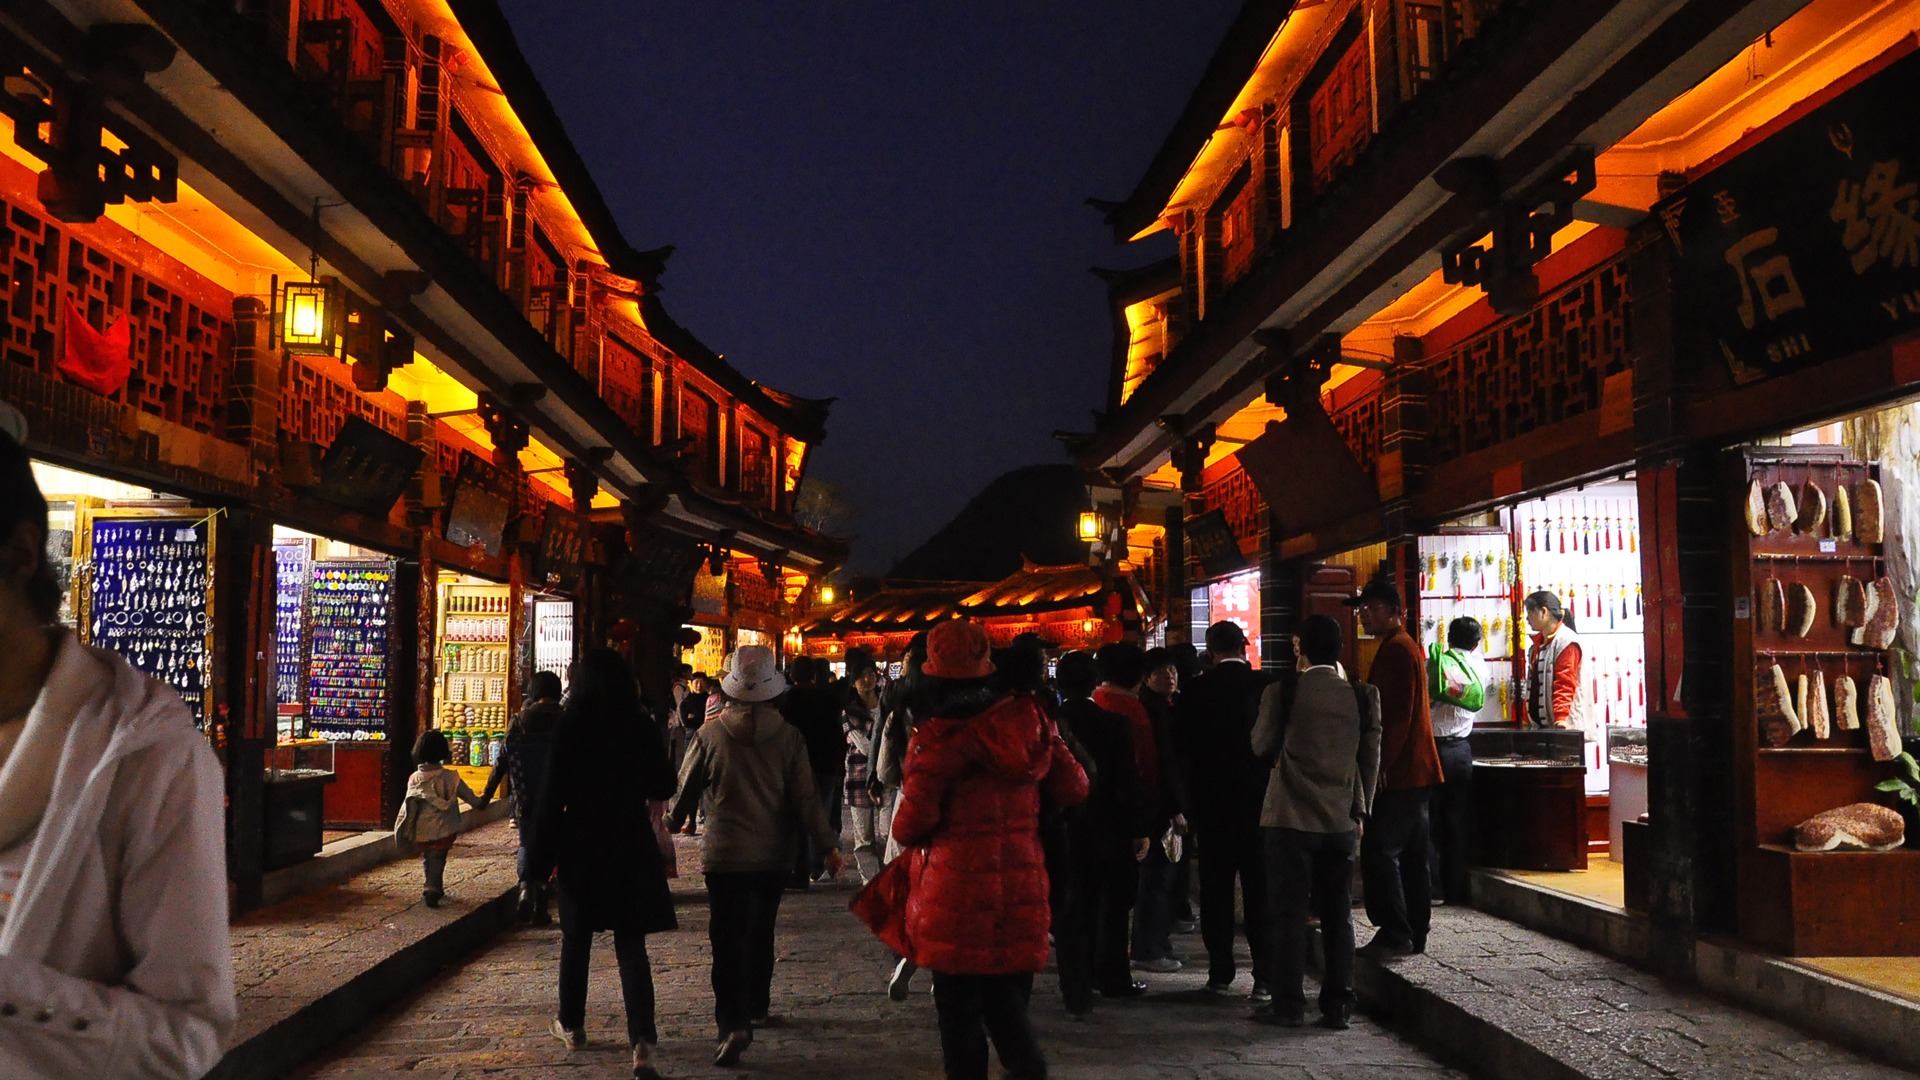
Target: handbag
(881,904)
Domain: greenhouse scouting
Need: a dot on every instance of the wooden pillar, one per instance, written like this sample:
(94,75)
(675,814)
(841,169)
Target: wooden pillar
(1179,601)
(415,602)
(240,689)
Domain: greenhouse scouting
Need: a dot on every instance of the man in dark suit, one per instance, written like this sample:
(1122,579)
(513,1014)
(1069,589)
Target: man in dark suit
(1228,782)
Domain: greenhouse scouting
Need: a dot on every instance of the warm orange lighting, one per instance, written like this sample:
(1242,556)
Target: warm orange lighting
(309,311)
(1090,526)
(1089,626)
(827,594)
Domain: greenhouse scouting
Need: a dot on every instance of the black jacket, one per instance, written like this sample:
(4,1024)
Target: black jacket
(1217,714)
(592,822)
(815,711)
(1115,813)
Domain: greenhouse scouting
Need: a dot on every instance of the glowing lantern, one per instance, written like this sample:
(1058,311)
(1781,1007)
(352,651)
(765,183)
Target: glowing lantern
(1091,528)
(826,593)
(309,317)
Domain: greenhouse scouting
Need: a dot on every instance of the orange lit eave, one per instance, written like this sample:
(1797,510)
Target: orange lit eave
(1227,148)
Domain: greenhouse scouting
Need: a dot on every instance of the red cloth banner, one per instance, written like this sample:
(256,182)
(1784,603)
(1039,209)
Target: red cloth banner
(99,361)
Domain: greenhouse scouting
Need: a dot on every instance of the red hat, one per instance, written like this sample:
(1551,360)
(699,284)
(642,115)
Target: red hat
(958,650)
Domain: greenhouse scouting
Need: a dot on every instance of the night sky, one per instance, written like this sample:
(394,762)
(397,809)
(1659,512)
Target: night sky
(882,202)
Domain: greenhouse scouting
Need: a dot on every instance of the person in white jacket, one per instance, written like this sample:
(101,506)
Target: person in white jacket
(115,959)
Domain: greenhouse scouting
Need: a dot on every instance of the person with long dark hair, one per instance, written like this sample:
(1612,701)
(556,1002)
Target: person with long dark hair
(591,822)
(970,801)
(114,950)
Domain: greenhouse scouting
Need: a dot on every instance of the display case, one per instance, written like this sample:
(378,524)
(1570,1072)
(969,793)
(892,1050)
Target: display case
(294,801)
(1627,745)
(349,612)
(1627,800)
(1529,798)
(553,636)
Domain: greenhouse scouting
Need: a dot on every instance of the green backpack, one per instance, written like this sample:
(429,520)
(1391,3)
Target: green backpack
(1445,666)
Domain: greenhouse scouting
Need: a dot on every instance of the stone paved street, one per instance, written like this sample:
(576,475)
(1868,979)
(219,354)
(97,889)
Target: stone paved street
(832,1019)
(1597,1016)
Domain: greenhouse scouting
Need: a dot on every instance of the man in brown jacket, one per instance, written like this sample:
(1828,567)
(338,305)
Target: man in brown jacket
(1395,848)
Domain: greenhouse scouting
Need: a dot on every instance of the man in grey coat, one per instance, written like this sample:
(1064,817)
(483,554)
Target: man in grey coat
(1325,746)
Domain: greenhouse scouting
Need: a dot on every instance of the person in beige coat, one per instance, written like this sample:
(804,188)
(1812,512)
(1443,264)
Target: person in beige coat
(748,771)
(114,954)
(1325,747)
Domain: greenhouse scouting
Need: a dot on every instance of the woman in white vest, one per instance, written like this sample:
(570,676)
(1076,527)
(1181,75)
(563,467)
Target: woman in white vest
(1554,680)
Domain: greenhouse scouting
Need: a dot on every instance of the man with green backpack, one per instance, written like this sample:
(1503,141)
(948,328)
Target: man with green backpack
(1457,687)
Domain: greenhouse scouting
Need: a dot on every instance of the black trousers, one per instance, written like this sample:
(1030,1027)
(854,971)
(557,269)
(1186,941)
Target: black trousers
(1153,908)
(1311,870)
(1393,866)
(743,910)
(636,974)
(973,1007)
(809,861)
(1227,854)
(1452,820)
(1090,932)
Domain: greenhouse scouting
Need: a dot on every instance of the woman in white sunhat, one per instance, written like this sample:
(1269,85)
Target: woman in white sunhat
(748,770)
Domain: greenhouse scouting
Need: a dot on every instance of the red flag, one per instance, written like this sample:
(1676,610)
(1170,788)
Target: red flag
(98,361)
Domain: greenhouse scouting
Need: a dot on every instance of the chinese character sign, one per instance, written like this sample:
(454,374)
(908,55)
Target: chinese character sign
(1237,599)
(1806,246)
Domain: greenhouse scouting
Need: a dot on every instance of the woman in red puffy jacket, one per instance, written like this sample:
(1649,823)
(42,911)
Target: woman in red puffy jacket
(970,797)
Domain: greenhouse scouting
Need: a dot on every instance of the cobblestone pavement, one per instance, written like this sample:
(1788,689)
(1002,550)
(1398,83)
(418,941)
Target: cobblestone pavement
(290,954)
(1605,1018)
(488,1017)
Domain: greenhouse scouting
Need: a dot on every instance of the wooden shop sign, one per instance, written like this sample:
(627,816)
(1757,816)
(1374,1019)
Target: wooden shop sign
(482,502)
(366,469)
(1210,541)
(1805,247)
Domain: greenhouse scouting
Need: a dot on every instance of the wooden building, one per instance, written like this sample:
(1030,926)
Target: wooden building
(1485,296)
(316,300)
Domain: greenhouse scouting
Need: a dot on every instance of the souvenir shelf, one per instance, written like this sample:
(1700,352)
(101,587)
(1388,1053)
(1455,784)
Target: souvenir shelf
(290,562)
(1471,572)
(349,615)
(1800,903)
(148,594)
(476,657)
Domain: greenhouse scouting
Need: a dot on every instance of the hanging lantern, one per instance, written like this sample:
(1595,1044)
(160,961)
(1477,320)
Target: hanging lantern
(1091,527)
(309,317)
(827,595)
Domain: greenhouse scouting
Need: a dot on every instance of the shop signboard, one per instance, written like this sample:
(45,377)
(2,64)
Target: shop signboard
(710,592)
(1237,600)
(482,502)
(660,567)
(1805,246)
(562,545)
(1210,540)
(366,469)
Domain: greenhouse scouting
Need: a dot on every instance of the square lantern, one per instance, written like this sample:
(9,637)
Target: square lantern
(1092,528)
(309,317)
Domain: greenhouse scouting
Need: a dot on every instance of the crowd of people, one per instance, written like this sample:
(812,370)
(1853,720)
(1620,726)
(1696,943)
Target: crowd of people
(1000,813)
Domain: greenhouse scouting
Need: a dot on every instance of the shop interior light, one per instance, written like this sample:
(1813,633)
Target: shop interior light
(1089,626)
(309,316)
(1092,529)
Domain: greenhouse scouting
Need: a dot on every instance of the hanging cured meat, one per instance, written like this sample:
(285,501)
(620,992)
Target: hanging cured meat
(1842,514)
(1756,509)
(1882,621)
(1773,606)
(1849,602)
(1846,703)
(1883,720)
(1773,702)
(1816,714)
(1813,510)
(1780,509)
(1869,519)
(1801,607)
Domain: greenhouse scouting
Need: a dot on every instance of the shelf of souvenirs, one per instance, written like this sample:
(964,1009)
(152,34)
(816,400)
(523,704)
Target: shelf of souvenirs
(1477,566)
(1577,525)
(1495,617)
(1598,607)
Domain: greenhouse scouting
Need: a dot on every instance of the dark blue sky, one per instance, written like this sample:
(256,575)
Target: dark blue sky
(882,202)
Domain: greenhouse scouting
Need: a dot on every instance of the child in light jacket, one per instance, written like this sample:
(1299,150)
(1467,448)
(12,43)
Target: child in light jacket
(434,794)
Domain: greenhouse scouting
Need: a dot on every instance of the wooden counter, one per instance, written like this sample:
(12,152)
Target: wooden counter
(1530,817)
